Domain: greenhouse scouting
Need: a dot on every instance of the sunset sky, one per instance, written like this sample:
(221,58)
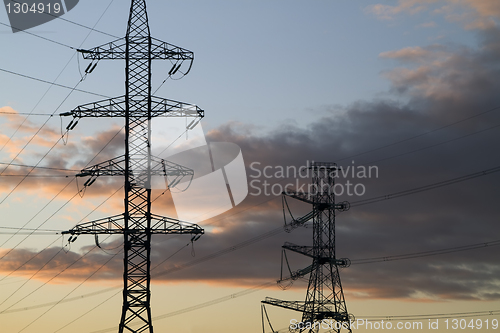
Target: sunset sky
(408,87)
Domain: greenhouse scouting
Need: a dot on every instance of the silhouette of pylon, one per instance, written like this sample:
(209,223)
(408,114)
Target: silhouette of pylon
(324,305)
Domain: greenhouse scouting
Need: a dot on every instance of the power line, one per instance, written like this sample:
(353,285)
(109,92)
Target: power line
(26,113)
(267,284)
(49,245)
(46,205)
(30,229)
(95,307)
(422,134)
(425,253)
(52,84)
(425,187)
(72,89)
(356,261)
(33,275)
(10,250)
(443,185)
(48,89)
(44,38)
(37,176)
(52,278)
(205,304)
(407,139)
(434,145)
(73,290)
(67,300)
(39,167)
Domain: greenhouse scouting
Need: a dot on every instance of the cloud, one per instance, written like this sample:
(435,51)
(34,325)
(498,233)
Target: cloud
(472,14)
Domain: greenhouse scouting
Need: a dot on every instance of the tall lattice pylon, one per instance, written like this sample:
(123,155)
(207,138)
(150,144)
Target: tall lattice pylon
(137,166)
(324,306)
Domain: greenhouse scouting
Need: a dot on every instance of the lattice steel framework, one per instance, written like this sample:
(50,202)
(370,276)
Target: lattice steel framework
(137,166)
(325,297)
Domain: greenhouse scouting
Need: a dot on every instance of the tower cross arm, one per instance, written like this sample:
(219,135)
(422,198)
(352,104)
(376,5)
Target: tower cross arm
(299,273)
(292,305)
(167,51)
(108,225)
(302,220)
(168,225)
(117,49)
(112,50)
(305,197)
(305,250)
(115,225)
(113,167)
(116,167)
(328,310)
(116,107)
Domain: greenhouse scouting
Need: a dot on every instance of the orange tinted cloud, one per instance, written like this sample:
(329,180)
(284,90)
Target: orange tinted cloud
(387,12)
(472,14)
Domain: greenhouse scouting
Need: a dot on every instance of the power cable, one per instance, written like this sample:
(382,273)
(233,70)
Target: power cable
(36,176)
(75,23)
(43,96)
(48,247)
(25,113)
(112,296)
(265,285)
(34,274)
(102,149)
(34,230)
(421,134)
(29,141)
(355,261)
(425,187)
(203,305)
(67,300)
(73,290)
(52,84)
(39,167)
(12,249)
(433,145)
(52,278)
(24,226)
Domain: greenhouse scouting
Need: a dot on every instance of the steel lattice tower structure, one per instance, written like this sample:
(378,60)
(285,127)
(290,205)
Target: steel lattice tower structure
(325,297)
(137,165)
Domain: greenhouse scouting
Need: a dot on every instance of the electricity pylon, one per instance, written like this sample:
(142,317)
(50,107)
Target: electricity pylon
(137,166)
(325,297)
